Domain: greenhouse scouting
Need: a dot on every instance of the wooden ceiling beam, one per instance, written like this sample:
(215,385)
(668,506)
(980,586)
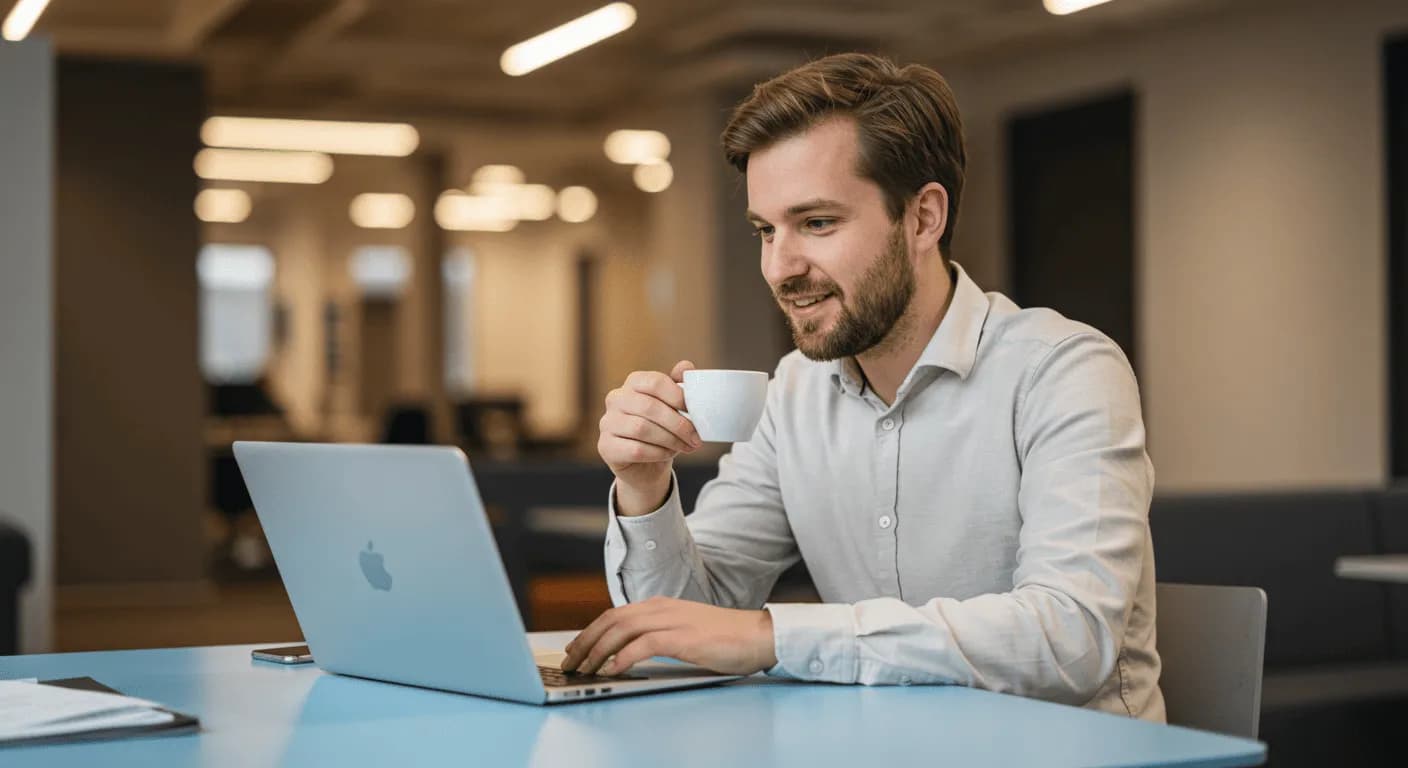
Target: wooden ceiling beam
(193,21)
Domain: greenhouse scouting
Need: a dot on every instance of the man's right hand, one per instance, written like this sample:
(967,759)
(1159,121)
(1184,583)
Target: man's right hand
(641,433)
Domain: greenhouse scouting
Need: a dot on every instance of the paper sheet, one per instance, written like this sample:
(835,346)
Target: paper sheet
(28,710)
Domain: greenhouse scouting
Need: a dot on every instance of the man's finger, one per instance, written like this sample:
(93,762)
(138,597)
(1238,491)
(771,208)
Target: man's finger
(585,640)
(633,427)
(657,385)
(660,643)
(621,634)
(677,373)
(621,450)
(653,410)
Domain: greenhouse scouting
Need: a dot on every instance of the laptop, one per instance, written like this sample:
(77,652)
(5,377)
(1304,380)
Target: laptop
(393,572)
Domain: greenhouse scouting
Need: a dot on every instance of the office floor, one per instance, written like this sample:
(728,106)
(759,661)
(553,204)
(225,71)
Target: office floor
(254,612)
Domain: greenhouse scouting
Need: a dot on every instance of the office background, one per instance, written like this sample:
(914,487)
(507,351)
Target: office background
(1221,185)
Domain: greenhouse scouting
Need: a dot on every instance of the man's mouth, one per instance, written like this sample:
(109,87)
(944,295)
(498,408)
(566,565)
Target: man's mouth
(802,302)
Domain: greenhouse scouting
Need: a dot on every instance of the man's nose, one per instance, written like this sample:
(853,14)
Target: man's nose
(783,260)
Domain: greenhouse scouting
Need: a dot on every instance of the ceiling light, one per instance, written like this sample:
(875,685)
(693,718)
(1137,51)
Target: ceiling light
(527,202)
(567,39)
(372,210)
(653,177)
(629,147)
(226,206)
(259,165)
(460,212)
(1063,7)
(22,17)
(339,138)
(576,204)
(497,174)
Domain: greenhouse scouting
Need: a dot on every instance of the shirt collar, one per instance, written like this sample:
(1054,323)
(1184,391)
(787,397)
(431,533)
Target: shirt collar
(953,347)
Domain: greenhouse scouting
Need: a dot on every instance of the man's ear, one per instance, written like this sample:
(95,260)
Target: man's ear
(930,207)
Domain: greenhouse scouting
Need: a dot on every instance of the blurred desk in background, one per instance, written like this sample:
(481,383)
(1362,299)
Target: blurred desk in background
(1388,568)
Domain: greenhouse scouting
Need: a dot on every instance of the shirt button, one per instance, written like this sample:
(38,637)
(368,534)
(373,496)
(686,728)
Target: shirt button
(816,666)
(885,521)
(650,545)
(888,424)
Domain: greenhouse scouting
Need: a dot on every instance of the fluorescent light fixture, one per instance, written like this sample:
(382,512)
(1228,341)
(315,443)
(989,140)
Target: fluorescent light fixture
(331,136)
(488,175)
(576,204)
(380,270)
(373,210)
(653,177)
(1063,7)
(261,165)
(629,147)
(226,206)
(22,18)
(460,212)
(567,39)
(234,267)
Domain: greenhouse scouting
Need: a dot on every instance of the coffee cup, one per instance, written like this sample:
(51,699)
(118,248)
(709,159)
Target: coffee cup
(725,406)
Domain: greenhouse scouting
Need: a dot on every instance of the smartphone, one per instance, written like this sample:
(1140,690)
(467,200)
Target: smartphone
(289,654)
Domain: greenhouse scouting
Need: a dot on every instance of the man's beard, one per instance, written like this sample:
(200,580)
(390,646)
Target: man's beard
(882,295)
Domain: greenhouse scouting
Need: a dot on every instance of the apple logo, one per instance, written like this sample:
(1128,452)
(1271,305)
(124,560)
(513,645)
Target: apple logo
(374,570)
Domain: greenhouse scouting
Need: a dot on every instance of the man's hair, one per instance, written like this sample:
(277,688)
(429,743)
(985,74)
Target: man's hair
(907,118)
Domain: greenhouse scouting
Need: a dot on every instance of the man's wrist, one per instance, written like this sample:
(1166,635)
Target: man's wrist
(767,642)
(632,501)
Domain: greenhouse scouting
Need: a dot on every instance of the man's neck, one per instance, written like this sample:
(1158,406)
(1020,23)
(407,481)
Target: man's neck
(887,364)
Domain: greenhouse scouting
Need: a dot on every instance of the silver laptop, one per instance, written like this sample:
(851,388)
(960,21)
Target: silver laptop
(393,572)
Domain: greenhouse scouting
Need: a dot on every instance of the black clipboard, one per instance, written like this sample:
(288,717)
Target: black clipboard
(182,723)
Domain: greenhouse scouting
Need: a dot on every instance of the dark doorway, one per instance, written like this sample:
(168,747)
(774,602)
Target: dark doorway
(1071,213)
(1396,172)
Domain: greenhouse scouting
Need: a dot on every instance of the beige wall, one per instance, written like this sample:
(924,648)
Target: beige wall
(1260,246)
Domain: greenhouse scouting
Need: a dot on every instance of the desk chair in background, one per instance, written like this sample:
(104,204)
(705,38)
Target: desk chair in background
(1211,641)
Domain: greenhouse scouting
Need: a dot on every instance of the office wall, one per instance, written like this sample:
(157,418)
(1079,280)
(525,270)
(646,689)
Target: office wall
(26,319)
(130,458)
(1260,231)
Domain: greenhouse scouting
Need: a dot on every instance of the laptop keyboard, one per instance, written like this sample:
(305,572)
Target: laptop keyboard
(556,678)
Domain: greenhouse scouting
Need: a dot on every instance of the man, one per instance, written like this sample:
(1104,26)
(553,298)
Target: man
(966,481)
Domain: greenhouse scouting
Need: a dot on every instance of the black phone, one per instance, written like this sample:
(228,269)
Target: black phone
(289,654)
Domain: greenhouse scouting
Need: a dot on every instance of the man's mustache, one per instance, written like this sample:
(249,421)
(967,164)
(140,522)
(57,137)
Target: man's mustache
(795,289)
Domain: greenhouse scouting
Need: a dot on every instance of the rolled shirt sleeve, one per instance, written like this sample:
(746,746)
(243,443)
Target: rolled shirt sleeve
(728,552)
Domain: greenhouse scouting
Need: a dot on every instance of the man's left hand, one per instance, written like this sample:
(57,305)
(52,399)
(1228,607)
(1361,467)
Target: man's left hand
(721,639)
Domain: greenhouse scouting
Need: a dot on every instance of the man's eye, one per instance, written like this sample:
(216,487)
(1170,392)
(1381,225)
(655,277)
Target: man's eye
(816,225)
(764,232)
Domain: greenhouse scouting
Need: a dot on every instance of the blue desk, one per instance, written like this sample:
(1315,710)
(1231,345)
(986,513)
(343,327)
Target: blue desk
(256,714)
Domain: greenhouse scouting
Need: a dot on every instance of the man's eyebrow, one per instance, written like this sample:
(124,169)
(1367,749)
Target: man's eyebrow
(801,208)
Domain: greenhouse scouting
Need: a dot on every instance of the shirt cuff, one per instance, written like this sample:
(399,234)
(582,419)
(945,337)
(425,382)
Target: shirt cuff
(814,641)
(650,540)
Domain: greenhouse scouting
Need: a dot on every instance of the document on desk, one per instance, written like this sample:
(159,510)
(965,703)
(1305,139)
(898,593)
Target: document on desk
(80,708)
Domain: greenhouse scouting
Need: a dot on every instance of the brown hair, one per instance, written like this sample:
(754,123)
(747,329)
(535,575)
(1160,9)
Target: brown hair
(910,130)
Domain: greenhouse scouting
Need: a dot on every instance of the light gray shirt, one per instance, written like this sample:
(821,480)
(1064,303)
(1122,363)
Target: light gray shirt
(989,528)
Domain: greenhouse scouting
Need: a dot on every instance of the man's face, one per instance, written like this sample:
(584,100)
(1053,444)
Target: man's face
(837,265)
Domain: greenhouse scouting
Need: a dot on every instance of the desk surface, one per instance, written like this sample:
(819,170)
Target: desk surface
(1392,568)
(258,714)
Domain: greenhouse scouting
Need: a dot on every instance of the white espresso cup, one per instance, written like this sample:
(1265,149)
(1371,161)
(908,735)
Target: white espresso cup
(725,406)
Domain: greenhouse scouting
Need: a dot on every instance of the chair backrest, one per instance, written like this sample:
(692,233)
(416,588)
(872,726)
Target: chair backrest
(1211,641)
